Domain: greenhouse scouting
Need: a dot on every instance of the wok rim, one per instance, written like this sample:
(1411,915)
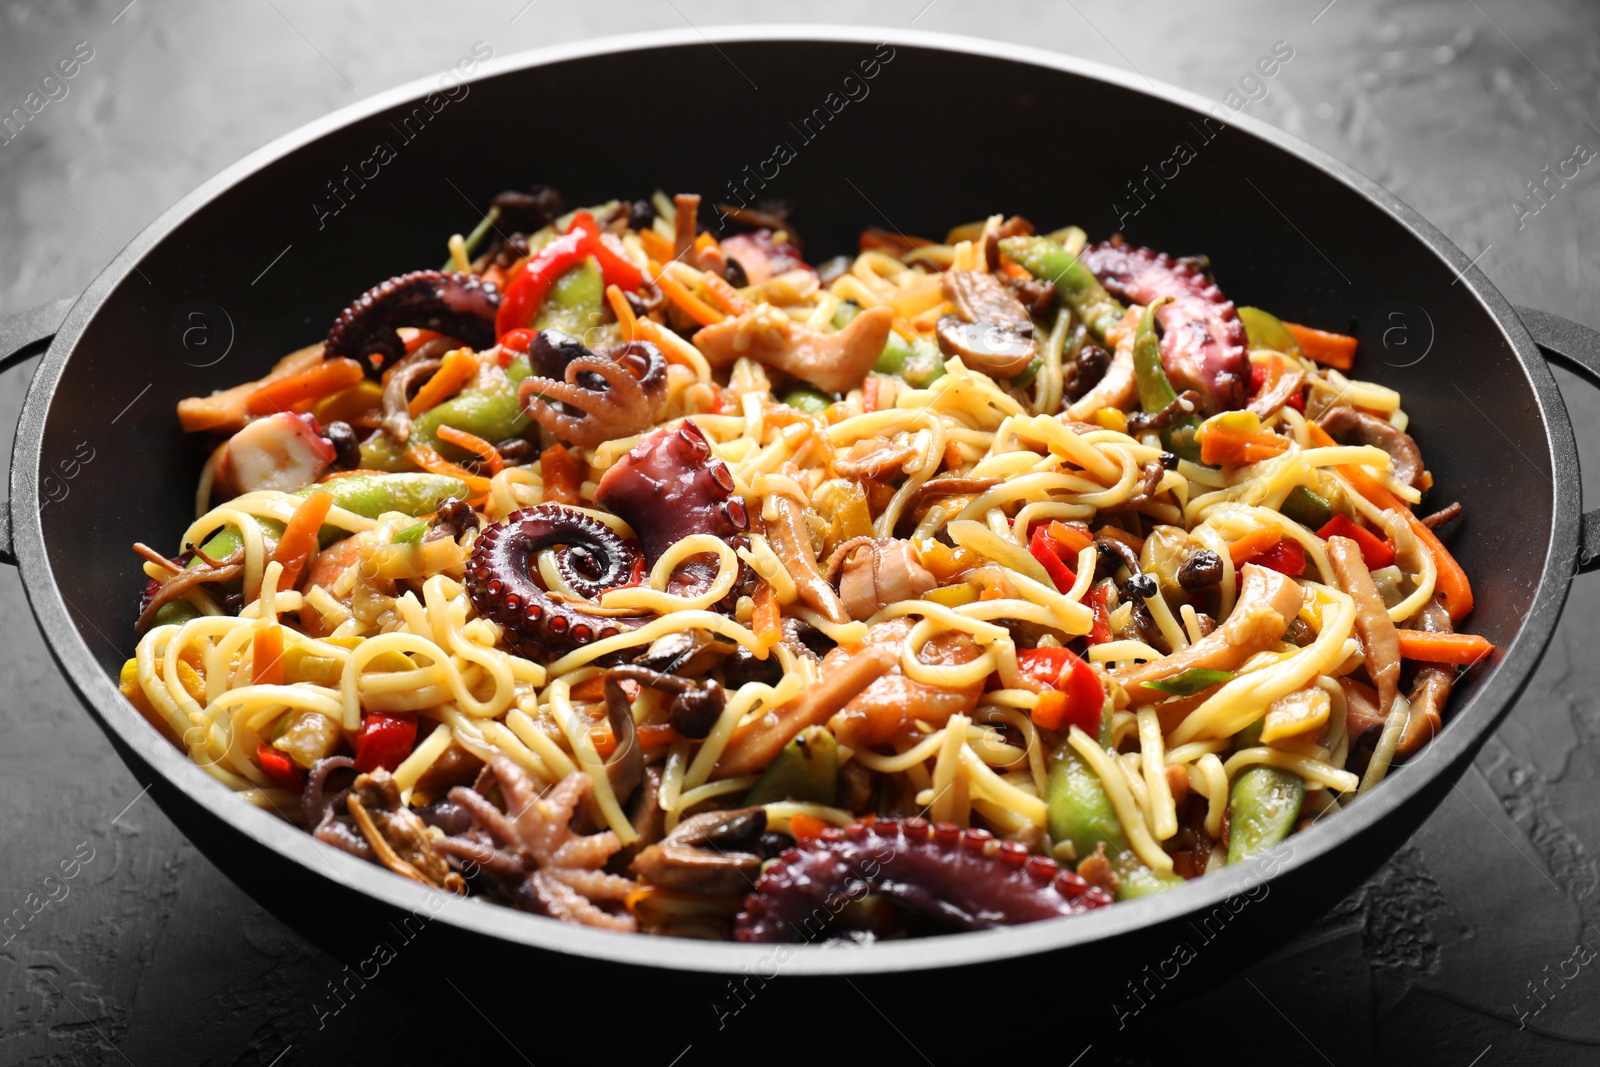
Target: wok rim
(1469,725)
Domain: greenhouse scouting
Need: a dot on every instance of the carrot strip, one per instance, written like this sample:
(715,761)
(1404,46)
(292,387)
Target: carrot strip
(1333,349)
(1075,537)
(767,618)
(473,443)
(623,310)
(562,478)
(432,462)
(1452,586)
(656,246)
(1227,446)
(1254,543)
(299,540)
(693,306)
(322,379)
(416,336)
(266,656)
(725,295)
(455,371)
(1443,648)
(650,735)
(869,395)
(804,827)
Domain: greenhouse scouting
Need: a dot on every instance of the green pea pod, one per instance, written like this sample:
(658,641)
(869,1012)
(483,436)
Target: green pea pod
(1309,509)
(1264,330)
(1080,812)
(811,401)
(573,303)
(919,363)
(368,495)
(806,770)
(411,535)
(175,613)
(1155,390)
(1079,288)
(1025,377)
(493,414)
(1262,807)
(848,310)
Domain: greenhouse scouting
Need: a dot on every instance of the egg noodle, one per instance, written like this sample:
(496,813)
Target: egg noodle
(996,521)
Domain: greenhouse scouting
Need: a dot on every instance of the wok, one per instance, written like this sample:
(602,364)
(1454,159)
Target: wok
(258,261)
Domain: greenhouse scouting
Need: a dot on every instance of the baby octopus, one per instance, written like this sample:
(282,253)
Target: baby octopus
(461,306)
(615,393)
(667,488)
(956,879)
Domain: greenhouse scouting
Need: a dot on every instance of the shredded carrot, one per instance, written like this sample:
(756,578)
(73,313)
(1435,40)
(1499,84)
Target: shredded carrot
(692,305)
(1011,268)
(1443,648)
(455,371)
(903,328)
(952,456)
(623,310)
(319,380)
(705,243)
(1452,586)
(432,462)
(266,656)
(869,395)
(415,337)
(656,246)
(299,540)
(726,296)
(804,827)
(767,618)
(650,735)
(562,478)
(1254,543)
(473,443)
(1222,445)
(1334,349)
(1075,537)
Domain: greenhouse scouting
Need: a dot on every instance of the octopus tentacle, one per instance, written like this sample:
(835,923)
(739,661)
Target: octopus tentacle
(500,582)
(458,305)
(961,879)
(618,392)
(1203,346)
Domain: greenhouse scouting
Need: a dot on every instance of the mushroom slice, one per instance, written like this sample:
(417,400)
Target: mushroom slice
(1349,426)
(991,331)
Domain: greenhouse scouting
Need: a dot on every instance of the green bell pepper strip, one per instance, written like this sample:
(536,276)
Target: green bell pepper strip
(1262,807)
(411,535)
(1076,283)
(811,401)
(1155,390)
(1309,509)
(806,771)
(1080,812)
(1265,330)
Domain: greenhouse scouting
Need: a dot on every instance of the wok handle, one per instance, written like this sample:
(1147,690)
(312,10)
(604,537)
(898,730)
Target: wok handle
(23,336)
(1578,349)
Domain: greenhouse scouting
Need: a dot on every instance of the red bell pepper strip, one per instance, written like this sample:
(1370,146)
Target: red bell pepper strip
(1288,556)
(525,295)
(280,768)
(613,264)
(1100,631)
(384,740)
(1049,555)
(1376,551)
(1076,697)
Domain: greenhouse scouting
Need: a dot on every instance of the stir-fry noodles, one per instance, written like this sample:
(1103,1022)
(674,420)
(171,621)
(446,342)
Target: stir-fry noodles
(659,580)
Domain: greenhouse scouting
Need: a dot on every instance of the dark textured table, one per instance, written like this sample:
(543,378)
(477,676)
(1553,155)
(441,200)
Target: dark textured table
(1475,944)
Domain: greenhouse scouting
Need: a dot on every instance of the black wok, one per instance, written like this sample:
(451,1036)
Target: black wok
(257,262)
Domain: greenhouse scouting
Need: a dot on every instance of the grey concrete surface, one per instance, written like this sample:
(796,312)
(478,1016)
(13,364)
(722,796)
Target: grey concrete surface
(1470,947)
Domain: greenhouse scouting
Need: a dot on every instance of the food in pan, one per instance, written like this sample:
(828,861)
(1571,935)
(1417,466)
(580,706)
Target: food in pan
(658,579)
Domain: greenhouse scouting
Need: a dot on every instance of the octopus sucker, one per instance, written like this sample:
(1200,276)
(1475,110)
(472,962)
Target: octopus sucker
(1203,344)
(461,306)
(956,879)
(500,581)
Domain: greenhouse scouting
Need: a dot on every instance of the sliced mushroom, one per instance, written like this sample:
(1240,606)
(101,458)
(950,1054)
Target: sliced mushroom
(792,544)
(711,854)
(833,362)
(397,835)
(696,704)
(991,331)
(1349,426)
(1430,685)
(1267,601)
